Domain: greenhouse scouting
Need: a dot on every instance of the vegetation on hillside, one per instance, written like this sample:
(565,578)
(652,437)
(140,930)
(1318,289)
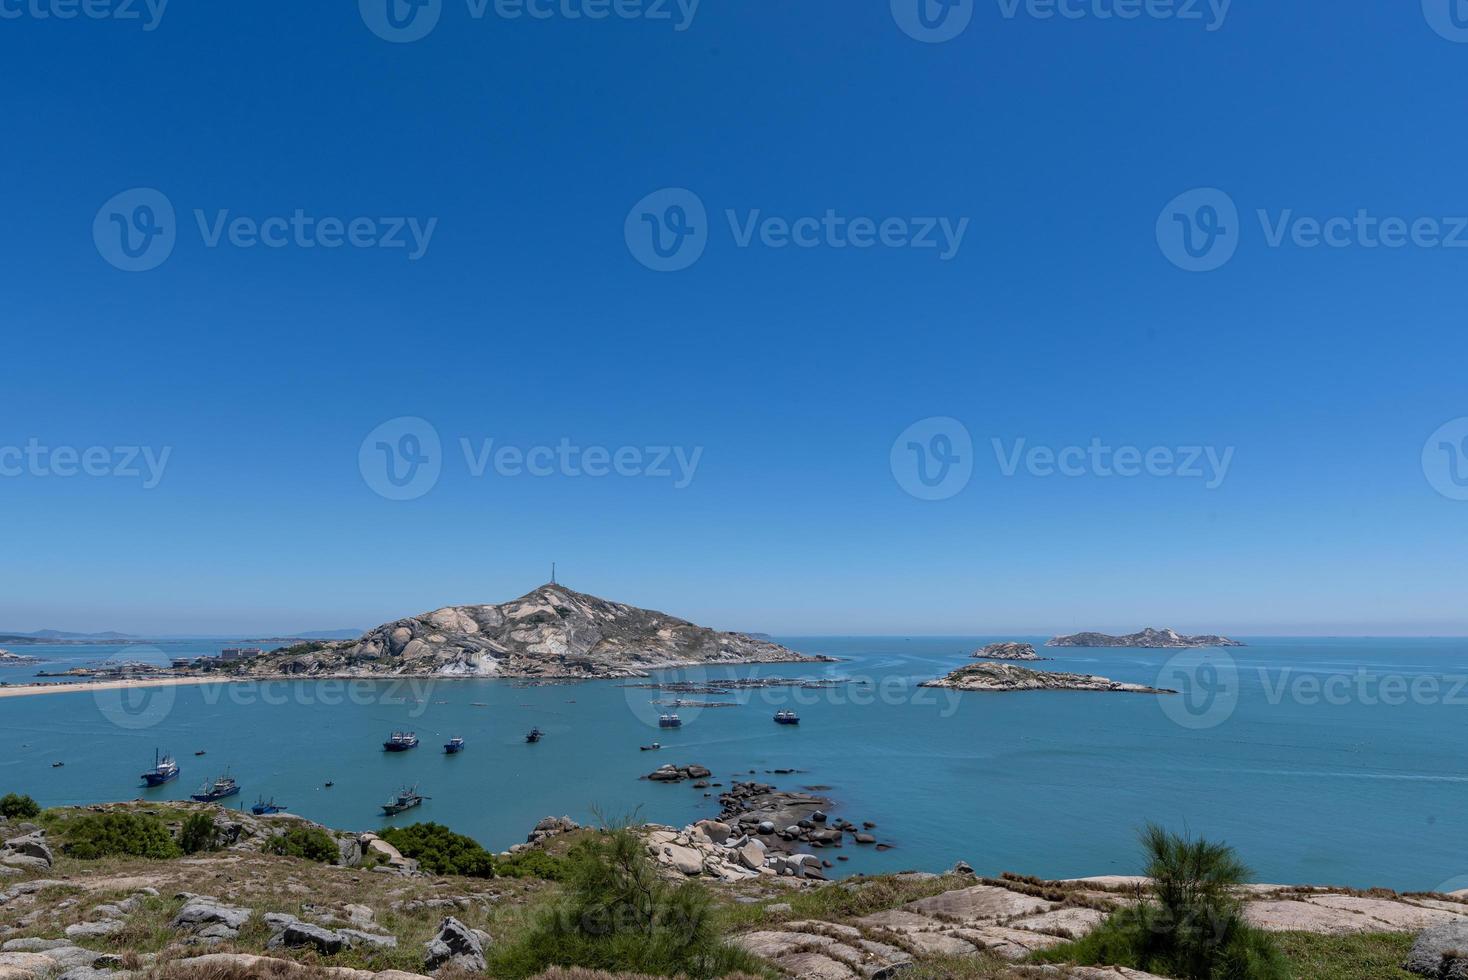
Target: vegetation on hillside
(14,806)
(311,843)
(1192,926)
(199,833)
(440,851)
(90,836)
(617,913)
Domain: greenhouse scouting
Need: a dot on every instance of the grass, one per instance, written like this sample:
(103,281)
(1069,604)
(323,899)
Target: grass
(1373,956)
(838,902)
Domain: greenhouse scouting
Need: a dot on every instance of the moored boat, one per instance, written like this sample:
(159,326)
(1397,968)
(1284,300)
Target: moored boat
(786,718)
(404,799)
(670,721)
(263,806)
(454,746)
(217,790)
(653,747)
(164,770)
(400,742)
(534,735)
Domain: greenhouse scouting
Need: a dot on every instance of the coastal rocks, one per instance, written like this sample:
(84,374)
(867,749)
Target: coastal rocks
(32,845)
(456,945)
(1008,651)
(1441,952)
(677,774)
(1164,639)
(967,920)
(825,951)
(1008,677)
(543,831)
(373,846)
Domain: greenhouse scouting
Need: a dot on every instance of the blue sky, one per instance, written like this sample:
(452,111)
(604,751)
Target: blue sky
(529,319)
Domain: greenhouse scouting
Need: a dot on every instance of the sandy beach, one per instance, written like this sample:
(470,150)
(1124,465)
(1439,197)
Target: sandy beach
(24,690)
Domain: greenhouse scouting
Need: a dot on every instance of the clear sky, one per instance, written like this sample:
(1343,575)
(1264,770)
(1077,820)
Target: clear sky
(532,317)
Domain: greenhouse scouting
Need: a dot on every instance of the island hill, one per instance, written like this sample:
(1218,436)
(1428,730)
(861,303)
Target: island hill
(550,633)
(1147,639)
(1010,677)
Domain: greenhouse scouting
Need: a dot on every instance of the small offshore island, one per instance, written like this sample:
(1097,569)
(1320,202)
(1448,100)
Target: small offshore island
(1008,677)
(1009,651)
(1147,639)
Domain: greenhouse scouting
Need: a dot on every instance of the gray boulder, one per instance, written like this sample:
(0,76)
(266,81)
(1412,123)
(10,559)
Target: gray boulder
(1441,952)
(357,938)
(201,911)
(305,934)
(455,945)
(93,930)
(32,845)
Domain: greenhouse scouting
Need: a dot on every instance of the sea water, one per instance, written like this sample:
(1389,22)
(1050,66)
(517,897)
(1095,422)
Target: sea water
(1324,761)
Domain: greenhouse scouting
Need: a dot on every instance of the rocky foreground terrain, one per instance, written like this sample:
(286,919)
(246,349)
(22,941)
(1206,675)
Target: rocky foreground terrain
(552,632)
(1008,677)
(1148,638)
(242,913)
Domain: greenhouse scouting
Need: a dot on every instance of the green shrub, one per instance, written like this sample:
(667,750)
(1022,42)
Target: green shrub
(97,835)
(618,914)
(311,843)
(439,850)
(1192,927)
(531,864)
(199,833)
(14,806)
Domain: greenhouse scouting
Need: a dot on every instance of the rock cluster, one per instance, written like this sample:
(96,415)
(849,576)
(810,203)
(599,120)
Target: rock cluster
(547,828)
(28,852)
(1441,952)
(677,774)
(788,821)
(458,946)
(1008,651)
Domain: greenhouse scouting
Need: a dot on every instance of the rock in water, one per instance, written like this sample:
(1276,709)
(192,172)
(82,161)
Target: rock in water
(1008,651)
(1441,952)
(1008,677)
(1147,639)
(455,945)
(552,632)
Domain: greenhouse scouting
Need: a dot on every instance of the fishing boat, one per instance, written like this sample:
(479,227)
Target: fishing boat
(263,806)
(217,790)
(57,765)
(670,721)
(786,718)
(164,770)
(534,735)
(200,752)
(454,746)
(653,747)
(329,784)
(404,799)
(400,742)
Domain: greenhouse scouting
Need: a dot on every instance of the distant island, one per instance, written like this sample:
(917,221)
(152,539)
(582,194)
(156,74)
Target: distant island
(1008,677)
(1008,651)
(8,659)
(552,632)
(1149,638)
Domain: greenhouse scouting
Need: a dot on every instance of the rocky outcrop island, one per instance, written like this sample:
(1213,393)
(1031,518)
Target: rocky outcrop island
(1008,677)
(550,633)
(8,659)
(1008,651)
(1151,639)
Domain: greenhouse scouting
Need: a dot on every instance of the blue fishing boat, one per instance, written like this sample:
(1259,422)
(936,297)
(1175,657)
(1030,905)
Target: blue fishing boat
(670,721)
(454,745)
(786,718)
(400,742)
(164,770)
(404,799)
(217,790)
(263,806)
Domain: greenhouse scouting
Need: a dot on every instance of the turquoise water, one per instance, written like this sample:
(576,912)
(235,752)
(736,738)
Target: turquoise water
(1338,788)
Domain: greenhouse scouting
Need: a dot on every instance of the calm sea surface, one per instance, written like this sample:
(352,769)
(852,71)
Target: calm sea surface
(1331,761)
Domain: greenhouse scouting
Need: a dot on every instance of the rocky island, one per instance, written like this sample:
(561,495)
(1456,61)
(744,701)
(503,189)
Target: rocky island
(1008,651)
(8,659)
(552,632)
(1008,677)
(1147,639)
